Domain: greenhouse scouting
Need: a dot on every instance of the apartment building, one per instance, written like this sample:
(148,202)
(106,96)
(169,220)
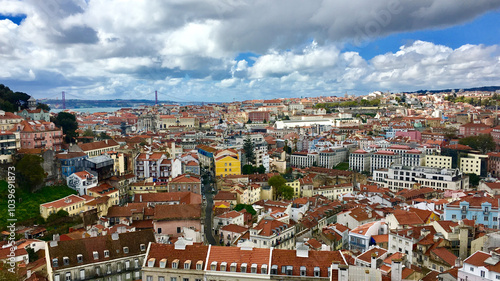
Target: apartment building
(93,149)
(39,134)
(483,210)
(167,121)
(480,266)
(384,159)
(399,177)
(413,157)
(304,159)
(359,161)
(438,161)
(109,257)
(270,232)
(81,181)
(332,192)
(8,120)
(185,183)
(474,164)
(73,204)
(9,144)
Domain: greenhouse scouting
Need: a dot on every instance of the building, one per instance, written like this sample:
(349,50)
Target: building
(483,210)
(93,149)
(71,162)
(480,266)
(360,237)
(81,181)
(73,204)
(399,177)
(413,157)
(191,261)
(359,161)
(332,192)
(167,121)
(185,183)
(438,161)
(494,164)
(109,257)
(270,232)
(259,116)
(227,162)
(472,129)
(231,217)
(8,120)
(39,134)
(147,165)
(304,159)
(177,220)
(474,164)
(384,159)
(206,156)
(9,144)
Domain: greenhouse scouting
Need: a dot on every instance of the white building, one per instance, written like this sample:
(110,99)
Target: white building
(359,161)
(384,159)
(480,266)
(81,181)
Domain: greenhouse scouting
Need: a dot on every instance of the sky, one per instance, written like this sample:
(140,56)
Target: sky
(225,50)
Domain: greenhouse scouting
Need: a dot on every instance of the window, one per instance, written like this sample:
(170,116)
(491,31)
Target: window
(108,268)
(161,278)
(244,267)
(173,278)
(97,271)
(65,260)
(302,271)
(127,265)
(96,255)
(82,274)
(283,269)
(178,230)
(254,268)
(175,264)
(149,278)
(125,250)
(199,265)
(223,266)
(68,276)
(158,230)
(213,266)
(486,218)
(263,269)
(187,264)
(316,272)
(106,253)
(185,279)
(289,270)
(464,217)
(483,273)
(232,268)
(143,247)
(79,258)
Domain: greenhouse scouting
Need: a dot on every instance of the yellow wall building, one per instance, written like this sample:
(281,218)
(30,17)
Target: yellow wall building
(73,204)
(438,161)
(296,188)
(227,164)
(472,164)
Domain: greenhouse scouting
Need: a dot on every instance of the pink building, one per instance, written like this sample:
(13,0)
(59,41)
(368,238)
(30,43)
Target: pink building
(169,220)
(413,135)
(39,134)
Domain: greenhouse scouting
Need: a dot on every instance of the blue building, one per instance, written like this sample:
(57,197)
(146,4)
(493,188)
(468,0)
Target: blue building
(484,210)
(71,162)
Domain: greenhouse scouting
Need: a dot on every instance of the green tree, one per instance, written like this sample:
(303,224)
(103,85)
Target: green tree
(248,149)
(482,142)
(143,143)
(276,182)
(104,136)
(248,208)
(9,276)
(69,125)
(247,169)
(43,106)
(264,121)
(88,133)
(32,255)
(249,121)
(30,172)
(261,169)
(285,192)
(474,179)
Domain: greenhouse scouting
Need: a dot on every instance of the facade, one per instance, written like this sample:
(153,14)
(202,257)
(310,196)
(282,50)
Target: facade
(185,183)
(304,159)
(71,162)
(39,134)
(474,164)
(480,266)
(81,181)
(360,237)
(148,165)
(403,177)
(384,159)
(483,210)
(273,233)
(494,164)
(333,192)
(35,114)
(227,162)
(438,161)
(259,116)
(9,143)
(73,204)
(98,148)
(412,157)
(167,121)
(359,161)
(8,120)
(109,257)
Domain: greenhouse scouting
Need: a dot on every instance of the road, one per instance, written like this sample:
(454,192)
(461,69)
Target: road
(208,215)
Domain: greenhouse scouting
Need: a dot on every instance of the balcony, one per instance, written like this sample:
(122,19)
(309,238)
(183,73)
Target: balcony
(39,138)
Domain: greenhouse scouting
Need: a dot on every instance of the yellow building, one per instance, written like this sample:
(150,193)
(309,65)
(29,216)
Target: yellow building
(472,164)
(227,162)
(296,188)
(73,204)
(438,161)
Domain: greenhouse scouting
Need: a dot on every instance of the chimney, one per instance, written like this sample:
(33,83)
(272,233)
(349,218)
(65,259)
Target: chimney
(396,270)
(458,263)
(28,273)
(343,272)
(55,237)
(302,250)
(374,261)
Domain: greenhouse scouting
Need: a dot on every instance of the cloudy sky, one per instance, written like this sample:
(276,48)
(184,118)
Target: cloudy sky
(206,50)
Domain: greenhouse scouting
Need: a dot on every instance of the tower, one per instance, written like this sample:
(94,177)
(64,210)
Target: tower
(31,103)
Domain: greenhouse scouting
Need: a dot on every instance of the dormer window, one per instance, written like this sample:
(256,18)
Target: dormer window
(233,267)
(96,255)
(79,258)
(151,262)
(187,264)
(125,250)
(289,270)
(302,271)
(106,253)
(244,267)
(65,260)
(263,269)
(175,264)
(316,272)
(213,266)
(199,265)
(55,262)
(163,263)
(274,269)
(143,247)
(254,268)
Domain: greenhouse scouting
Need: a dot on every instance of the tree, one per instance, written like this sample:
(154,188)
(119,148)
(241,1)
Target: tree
(248,149)
(43,106)
(482,142)
(247,169)
(264,121)
(261,169)
(30,172)
(67,122)
(104,136)
(88,133)
(285,192)
(276,182)
(474,179)
(32,255)
(9,276)
(249,121)
(248,208)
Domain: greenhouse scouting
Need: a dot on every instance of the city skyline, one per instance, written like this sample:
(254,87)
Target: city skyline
(221,51)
